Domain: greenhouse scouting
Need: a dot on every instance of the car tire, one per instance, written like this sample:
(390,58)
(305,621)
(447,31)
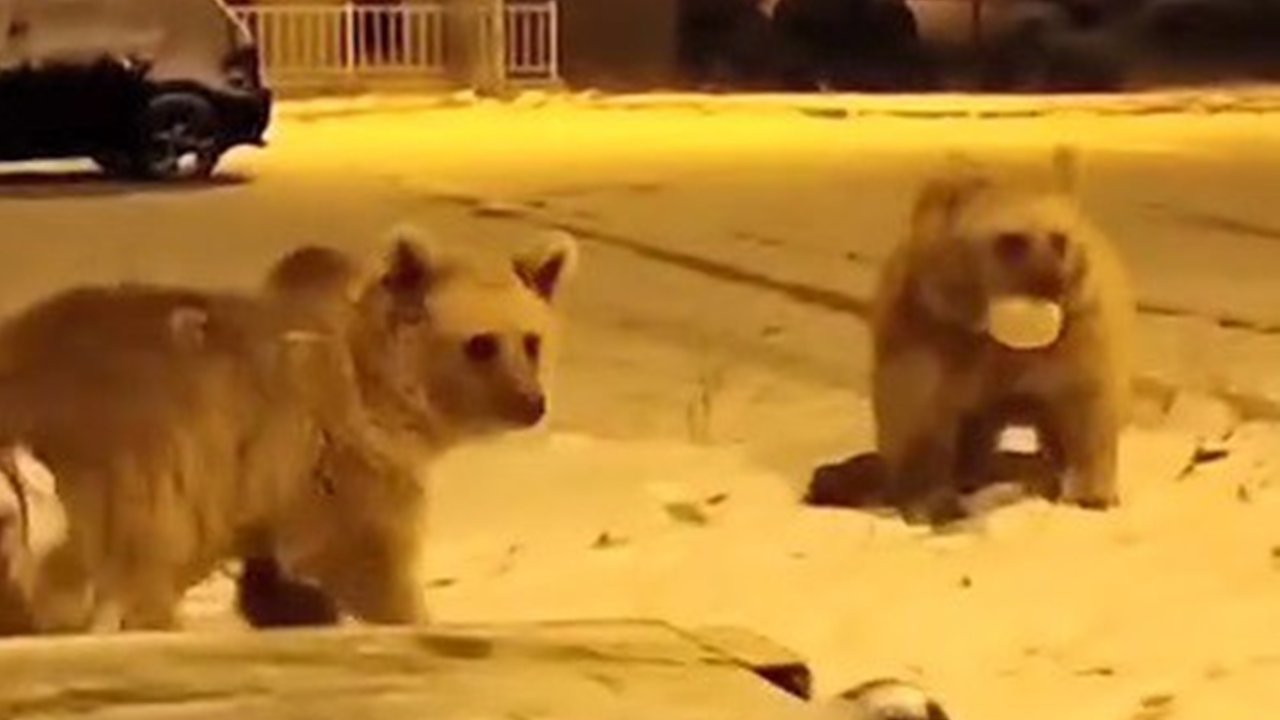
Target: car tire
(179,138)
(117,164)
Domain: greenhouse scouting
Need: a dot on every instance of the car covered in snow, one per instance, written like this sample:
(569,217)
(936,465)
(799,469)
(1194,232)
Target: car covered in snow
(1040,45)
(859,45)
(156,89)
(800,45)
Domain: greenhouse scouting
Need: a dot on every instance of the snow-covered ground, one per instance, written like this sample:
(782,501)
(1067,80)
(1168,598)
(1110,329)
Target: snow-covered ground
(715,356)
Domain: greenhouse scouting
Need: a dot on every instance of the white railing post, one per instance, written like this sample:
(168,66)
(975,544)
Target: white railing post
(348,24)
(495,45)
(533,42)
(553,41)
(307,42)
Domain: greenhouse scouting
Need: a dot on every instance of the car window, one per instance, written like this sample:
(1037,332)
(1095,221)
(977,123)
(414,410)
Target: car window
(61,29)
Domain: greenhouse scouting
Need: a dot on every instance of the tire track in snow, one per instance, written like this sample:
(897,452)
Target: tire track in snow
(800,292)
(1216,221)
(809,294)
(1247,405)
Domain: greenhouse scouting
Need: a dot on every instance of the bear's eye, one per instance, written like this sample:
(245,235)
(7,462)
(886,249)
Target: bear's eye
(1012,247)
(532,346)
(1058,242)
(481,348)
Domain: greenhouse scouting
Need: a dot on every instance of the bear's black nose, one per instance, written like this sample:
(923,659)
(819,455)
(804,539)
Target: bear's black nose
(529,409)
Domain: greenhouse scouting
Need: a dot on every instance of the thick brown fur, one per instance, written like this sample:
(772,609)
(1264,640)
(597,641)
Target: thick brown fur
(287,428)
(318,286)
(943,389)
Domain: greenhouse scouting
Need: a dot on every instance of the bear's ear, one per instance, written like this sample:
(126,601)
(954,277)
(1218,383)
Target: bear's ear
(1066,169)
(317,270)
(944,194)
(948,281)
(543,269)
(411,267)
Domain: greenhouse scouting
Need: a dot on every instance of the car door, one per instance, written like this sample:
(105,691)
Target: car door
(11,126)
(62,91)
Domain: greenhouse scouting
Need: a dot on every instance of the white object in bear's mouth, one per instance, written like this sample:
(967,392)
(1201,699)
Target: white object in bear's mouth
(1021,322)
(1019,440)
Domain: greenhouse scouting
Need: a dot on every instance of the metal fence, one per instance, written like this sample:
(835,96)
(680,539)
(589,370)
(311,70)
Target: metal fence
(533,40)
(317,42)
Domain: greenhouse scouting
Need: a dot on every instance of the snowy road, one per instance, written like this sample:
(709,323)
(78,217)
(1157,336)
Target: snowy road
(726,255)
(687,213)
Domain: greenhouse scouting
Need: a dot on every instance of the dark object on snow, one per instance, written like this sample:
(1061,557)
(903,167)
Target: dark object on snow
(154,89)
(858,482)
(687,513)
(861,482)
(269,599)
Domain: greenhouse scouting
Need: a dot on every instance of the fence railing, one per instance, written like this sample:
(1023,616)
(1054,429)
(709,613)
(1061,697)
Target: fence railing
(533,40)
(300,42)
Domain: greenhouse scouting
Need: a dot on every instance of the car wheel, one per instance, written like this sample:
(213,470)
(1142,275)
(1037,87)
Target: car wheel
(117,164)
(179,138)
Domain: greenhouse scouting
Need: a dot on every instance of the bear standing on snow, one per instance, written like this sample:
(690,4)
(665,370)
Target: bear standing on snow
(1002,303)
(184,428)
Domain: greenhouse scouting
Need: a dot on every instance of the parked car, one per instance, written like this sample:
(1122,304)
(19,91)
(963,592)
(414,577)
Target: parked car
(1047,45)
(800,45)
(868,45)
(727,44)
(1109,44)
(156,89)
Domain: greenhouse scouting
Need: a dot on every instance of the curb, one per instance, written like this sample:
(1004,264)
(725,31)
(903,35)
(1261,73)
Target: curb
(1254,100)
(336,107)
(957,105)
